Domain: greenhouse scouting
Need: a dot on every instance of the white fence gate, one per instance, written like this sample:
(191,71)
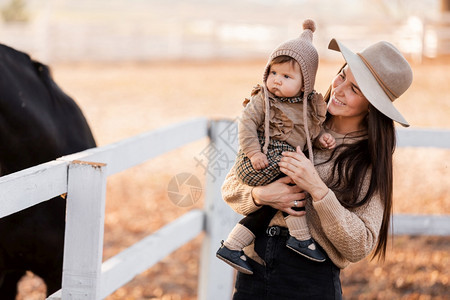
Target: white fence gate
(83,177)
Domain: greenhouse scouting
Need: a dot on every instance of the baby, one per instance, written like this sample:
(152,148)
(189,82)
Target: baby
(283,113)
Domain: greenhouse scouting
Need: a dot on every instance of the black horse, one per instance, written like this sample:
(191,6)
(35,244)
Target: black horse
(38,123)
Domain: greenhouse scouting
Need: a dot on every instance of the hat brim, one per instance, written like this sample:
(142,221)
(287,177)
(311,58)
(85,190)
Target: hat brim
(368,84)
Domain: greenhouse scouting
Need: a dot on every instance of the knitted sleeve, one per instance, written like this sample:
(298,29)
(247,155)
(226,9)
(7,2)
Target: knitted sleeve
(251,119)
(238,195)
(354,234)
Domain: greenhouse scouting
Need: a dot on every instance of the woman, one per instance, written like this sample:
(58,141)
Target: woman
(347,195)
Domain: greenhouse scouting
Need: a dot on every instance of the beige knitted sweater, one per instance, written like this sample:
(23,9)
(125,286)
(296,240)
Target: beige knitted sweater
(346,235)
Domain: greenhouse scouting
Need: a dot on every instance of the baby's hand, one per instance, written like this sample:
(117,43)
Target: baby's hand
(327,141)
(259,161)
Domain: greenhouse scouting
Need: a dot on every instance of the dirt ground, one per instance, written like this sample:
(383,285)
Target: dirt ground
(122,100)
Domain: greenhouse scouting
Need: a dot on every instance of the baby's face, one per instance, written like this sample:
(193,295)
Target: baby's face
(285,80)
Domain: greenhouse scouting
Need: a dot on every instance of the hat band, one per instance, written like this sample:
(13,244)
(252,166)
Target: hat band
(385,88)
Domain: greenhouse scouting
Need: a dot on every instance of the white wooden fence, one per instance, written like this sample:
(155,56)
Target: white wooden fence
(83,177)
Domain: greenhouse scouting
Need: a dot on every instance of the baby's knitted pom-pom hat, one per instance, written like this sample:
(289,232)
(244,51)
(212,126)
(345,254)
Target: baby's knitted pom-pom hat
(302,50)
(308,29)
(309,24)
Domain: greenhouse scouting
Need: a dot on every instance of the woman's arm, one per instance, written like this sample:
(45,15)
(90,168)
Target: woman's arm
(353,233)
(238,195)
(245,199)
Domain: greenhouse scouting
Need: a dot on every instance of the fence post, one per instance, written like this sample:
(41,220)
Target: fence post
(83,245)
(216,278)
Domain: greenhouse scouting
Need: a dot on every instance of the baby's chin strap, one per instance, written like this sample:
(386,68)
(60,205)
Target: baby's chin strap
(305,123)
(266,119)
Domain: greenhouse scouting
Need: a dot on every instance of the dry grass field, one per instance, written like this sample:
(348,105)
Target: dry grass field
(122,100)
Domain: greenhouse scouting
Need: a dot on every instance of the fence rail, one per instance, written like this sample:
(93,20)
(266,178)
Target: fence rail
(83,177)
(421,225)
(31,186)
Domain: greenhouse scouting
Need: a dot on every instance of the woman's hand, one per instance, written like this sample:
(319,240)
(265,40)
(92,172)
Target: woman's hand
(280,195)
(302,172)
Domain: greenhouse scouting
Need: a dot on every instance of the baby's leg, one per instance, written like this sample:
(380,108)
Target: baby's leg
(298,227)
(301,240)
(244,232)
(243,235)
(248,175)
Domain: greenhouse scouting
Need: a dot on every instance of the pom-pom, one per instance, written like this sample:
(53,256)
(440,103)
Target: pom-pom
(309,24)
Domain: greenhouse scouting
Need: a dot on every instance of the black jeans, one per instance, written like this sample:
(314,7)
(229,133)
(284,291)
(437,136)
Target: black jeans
(287,275)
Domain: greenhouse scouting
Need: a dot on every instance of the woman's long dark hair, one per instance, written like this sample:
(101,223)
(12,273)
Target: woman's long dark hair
(373,155)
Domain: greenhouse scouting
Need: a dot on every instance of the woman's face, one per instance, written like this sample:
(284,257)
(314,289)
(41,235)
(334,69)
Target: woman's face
(346,100)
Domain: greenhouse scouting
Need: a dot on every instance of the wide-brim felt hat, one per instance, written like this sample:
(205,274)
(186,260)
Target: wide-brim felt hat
(382,74)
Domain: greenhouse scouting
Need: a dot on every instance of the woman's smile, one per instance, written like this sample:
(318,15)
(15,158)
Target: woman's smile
(337,102)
